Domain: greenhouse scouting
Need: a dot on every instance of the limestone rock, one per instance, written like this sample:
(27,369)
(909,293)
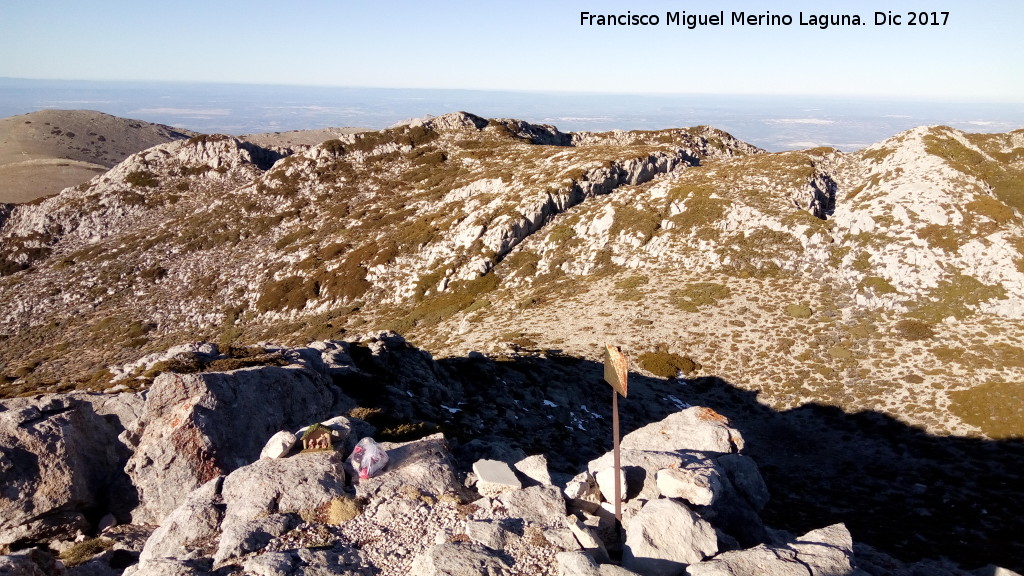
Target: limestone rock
(641,468)
(576,563)
(240,537)
(664,537)
(32,562)
(195,524)
(58,458)
(746,478)
(488,533)
(587,539)
(199,426)
(583,492)
(459,559)
(279,445)
(697,485)
(276,486)
(494,477)
(606,482)
(822,552)
(305,562)
(613,570)
(694,429)
(540,504)
(535,468)
(170,567)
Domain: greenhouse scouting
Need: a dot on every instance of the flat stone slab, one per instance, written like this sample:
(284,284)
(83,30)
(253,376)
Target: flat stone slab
(495,476)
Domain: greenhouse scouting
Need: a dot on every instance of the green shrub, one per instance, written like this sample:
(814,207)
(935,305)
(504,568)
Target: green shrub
(878,284)
(334,147)
(142,179)
(914,330)
(666,364)
(289,293)
(204,138)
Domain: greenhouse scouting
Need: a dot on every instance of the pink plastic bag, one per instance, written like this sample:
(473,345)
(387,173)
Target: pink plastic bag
(368,458)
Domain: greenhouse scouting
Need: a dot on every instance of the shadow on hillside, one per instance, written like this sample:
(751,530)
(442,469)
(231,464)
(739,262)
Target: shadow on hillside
(896,487)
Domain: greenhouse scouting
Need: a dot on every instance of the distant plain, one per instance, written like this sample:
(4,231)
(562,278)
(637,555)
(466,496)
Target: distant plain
(775,123)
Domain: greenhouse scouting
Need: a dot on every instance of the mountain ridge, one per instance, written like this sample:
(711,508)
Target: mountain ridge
(500,236)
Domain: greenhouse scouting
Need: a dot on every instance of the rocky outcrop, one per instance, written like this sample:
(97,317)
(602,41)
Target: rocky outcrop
(32,562)
(823,552)
(194,525)
(691,500)
(132,190)
(61,465)
(191,433)
(665,536)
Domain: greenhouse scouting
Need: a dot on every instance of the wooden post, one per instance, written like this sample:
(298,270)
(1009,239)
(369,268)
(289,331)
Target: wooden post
(616,373)
(615,458)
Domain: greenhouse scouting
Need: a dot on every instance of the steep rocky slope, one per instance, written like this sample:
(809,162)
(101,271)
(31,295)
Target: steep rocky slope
(204,237)
(43,152)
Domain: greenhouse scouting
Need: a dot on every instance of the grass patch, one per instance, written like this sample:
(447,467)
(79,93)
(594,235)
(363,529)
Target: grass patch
(629,288)
(799,310)
(956,297)
(878,285)
(436,307)
(342,510)
(697,295)
(995,407)
(290,293)
(943,237)
(83,551)
(1005,175)
(666,364)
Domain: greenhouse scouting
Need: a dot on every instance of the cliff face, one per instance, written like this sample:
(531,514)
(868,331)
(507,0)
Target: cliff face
(810,276)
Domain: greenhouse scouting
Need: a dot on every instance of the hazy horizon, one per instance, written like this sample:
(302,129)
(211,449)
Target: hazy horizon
(773,122)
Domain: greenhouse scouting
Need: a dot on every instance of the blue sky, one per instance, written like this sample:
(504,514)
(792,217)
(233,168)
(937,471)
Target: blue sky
(526,45)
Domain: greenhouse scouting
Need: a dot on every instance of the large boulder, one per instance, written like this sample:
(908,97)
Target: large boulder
(195,525)
(200,426)
(664,537)
(695,454)
(824,552)
(696,428)
(262,499)
(542,505)
(424,465)
(306,562)
(61,469)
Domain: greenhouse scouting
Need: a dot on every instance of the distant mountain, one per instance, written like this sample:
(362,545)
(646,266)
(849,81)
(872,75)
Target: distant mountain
(889,279)
(46,151)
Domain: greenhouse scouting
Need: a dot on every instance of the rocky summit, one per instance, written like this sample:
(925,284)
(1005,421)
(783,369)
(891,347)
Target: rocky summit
(825,347)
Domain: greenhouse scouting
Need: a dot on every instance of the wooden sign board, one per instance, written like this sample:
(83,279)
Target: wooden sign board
(616,369)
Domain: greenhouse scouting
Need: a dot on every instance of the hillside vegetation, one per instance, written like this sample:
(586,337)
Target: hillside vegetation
(888,279)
